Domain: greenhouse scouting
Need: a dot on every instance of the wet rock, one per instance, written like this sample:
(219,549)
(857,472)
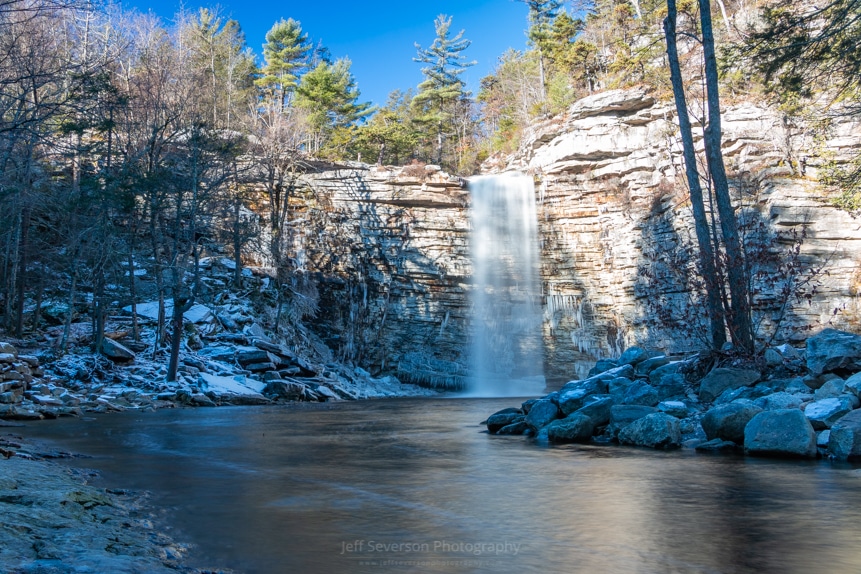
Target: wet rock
(743,393)
(717,445)
(287,390)
(824,413)
(830,350)
(657,430)
(853,384)
(542,413)
(646,366)
(251,355)
(844,441)
(259,367)
(727,422)
(597,408)
(573,428)
(503,418)
(201,400)
(721,379)
(780,433)
(517,428)
(822,438)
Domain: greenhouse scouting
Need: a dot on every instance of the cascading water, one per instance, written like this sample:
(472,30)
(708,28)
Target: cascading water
(507,348)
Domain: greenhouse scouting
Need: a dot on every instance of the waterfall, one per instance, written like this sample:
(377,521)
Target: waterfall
(507,348)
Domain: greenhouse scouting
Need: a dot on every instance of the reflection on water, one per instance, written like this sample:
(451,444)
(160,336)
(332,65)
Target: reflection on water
(415,486)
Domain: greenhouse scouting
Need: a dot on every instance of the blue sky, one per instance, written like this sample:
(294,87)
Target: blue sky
(377,35)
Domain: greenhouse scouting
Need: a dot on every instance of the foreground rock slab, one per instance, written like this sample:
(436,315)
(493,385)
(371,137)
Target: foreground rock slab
(781,433)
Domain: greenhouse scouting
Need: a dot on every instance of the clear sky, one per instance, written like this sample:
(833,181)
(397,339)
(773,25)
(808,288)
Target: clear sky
(377,35)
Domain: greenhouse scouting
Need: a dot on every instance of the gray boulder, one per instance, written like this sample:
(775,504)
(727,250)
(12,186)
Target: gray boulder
(648,365)
(727,422)
(824,413)
(618,387)
(641,393)
(773,358)
(602,366)
(573,395)
(597,408)
(116,351)
(666,369)
(853,384)
(626,414)
(717,445)
(676,409)
(781,400)
(722,378)
(831,349)
(844,442)
(542,413)
(672,385)
(503,418)
(743,393)
(517,428)
(636,355)
(782,433)
(573,428)
(657,430)
(832,388)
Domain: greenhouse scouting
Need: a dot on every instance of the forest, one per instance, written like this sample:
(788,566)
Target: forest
(123,138)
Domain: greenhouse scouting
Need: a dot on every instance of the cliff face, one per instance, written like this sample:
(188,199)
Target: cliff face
(389,251)
(613,211)
(613,220)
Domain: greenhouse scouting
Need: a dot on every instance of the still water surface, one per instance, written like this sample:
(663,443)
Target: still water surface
(414,485)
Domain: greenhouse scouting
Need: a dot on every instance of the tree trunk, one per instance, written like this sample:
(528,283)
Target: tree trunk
(740,320)
(707,257)
(23,247)
(180,306)
(237,241)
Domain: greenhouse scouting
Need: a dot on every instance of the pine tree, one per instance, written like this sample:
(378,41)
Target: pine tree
(542,15)
(443,87)
(286,54)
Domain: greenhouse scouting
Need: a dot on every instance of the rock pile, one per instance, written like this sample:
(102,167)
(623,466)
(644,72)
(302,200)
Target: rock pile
(803,404)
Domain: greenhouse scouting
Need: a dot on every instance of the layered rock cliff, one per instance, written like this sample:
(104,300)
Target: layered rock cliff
(613,220)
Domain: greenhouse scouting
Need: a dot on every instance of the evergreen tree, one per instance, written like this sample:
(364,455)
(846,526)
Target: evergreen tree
(443,87)
(390,135)
(329,96)
(286,53)
(542,15)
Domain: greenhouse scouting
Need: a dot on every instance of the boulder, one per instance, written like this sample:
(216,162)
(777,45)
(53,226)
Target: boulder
(660,372)
(646,366)
(542,413)
(717,445)
(602,366)
(743,393)
(573,395)
(641,393)
(727,422)
(657,430)
(517,428)
(287,390)
(853,384)
(636,355)
(503,418)
(830,350)
(832,388)
(773,358)
(8,349)
(822,438)
(824,413)
(201,400)
(617,388)
(573,428)
(844,441)
(597,408)
(781,400)
(723,378)
(676,409)
(626,414)
(116,351)
(252,355)
(672,385)
(782,433)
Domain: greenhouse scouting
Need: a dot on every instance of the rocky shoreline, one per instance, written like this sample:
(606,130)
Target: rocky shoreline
(56,522)
(792,403)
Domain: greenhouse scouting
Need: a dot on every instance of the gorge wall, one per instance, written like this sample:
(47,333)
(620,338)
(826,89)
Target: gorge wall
(613,213)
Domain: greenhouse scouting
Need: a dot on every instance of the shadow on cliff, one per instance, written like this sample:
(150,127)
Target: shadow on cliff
(382,299)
